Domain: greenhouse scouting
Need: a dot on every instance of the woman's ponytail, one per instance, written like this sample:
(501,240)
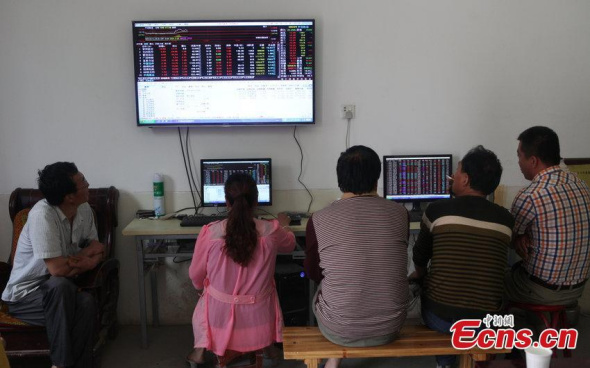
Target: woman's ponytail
(241,236)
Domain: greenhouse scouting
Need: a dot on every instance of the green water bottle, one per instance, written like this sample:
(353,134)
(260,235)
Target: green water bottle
(159,195)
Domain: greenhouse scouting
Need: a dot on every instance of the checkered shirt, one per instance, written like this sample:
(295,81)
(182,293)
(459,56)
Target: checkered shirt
(554,211)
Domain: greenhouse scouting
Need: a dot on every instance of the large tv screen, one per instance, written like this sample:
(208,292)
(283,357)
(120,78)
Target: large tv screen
(219,73)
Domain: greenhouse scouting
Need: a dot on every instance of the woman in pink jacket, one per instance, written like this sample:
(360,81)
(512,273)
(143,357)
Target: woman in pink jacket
(233,269)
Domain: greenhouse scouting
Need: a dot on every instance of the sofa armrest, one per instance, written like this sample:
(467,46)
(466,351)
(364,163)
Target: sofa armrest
(5,269)
(97,277)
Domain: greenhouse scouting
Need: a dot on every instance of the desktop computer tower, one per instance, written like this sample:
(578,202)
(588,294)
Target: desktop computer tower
(293,291)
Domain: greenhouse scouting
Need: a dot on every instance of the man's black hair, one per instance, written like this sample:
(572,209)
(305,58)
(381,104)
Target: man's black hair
(358,170)
(483,168)
(56,181)
(541,142)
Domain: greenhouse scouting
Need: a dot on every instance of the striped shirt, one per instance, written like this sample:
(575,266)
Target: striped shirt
(362,247)
(466,240)
(553,211)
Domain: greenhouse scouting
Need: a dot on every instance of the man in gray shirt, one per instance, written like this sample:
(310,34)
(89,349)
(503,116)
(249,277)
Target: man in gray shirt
(57,243)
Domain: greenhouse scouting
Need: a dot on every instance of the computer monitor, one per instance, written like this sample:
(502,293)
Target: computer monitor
(416,178)
(214,173)
(224,72)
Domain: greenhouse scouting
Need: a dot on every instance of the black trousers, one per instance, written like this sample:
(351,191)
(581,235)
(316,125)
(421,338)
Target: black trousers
(67,314)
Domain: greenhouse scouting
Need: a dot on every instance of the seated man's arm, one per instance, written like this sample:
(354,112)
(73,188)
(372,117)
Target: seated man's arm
(422,253)
(311,263)
(95,248)
(418,274)
(524,212)
(71,266)
(89,240)
(522,244)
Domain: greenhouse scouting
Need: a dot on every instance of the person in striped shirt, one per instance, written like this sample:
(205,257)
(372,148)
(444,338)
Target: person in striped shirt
(466,241)
(552,229)
(356,248)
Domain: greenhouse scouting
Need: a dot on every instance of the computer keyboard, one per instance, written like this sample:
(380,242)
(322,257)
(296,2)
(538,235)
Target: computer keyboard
(295,220)
(201,220)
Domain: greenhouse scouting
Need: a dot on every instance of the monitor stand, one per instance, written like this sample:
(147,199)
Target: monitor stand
(416,212)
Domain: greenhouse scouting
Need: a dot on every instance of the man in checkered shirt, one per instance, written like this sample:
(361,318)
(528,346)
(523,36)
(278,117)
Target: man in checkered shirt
(552,226)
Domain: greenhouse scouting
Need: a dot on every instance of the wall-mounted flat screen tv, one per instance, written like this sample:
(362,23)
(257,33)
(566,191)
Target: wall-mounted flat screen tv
(220,73)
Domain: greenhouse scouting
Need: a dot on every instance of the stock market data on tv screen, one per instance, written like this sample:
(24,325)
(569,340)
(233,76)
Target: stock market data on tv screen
(224,72)
(416,178)
(214,174)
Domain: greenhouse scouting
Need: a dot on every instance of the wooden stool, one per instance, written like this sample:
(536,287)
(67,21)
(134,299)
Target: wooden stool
(557,318)
(231,355)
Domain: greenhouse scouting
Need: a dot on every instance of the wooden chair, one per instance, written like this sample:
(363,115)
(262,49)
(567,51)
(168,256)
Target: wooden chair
(3,358)
(255,359)
(24,340)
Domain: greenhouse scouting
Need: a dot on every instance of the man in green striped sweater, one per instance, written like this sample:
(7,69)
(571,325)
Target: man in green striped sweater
(465,239)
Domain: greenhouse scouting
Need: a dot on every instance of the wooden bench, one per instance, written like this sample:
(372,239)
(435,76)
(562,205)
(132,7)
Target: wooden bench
(308,344)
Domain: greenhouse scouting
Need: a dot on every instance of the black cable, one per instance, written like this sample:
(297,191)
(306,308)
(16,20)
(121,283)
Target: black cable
(186,169)
(301,170)
(189,258)
(190,166)
(186,208)
(221,212)
(265,211)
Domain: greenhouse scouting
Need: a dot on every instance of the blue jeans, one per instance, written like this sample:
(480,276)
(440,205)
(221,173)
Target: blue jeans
(434,322)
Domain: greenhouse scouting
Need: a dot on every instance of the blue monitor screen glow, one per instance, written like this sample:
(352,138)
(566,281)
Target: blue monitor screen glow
(223,73)
(416,178)
(214,173)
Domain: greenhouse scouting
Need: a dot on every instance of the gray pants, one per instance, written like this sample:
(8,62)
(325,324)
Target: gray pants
(519,288)
(67,314)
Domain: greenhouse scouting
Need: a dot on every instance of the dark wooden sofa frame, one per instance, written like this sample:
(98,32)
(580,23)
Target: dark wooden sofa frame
(24,341)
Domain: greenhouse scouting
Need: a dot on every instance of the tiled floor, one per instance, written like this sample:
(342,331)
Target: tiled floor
(168,345)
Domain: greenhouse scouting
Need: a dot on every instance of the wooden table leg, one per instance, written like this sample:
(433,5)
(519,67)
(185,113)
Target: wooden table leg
(311,363)
(481,357)
(465,361)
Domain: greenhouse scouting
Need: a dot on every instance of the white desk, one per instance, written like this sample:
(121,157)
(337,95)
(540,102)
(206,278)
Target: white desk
(160,230)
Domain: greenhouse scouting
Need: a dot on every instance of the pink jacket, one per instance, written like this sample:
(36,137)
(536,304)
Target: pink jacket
(239,309)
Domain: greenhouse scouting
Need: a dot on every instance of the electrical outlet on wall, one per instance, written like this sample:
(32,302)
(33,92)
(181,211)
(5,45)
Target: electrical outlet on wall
(348,111)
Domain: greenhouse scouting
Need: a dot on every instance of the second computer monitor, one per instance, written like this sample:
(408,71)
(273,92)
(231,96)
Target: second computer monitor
(416,178)
(214,173)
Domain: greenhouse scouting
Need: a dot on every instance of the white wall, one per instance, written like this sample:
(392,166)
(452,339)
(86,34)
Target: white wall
(426,77)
